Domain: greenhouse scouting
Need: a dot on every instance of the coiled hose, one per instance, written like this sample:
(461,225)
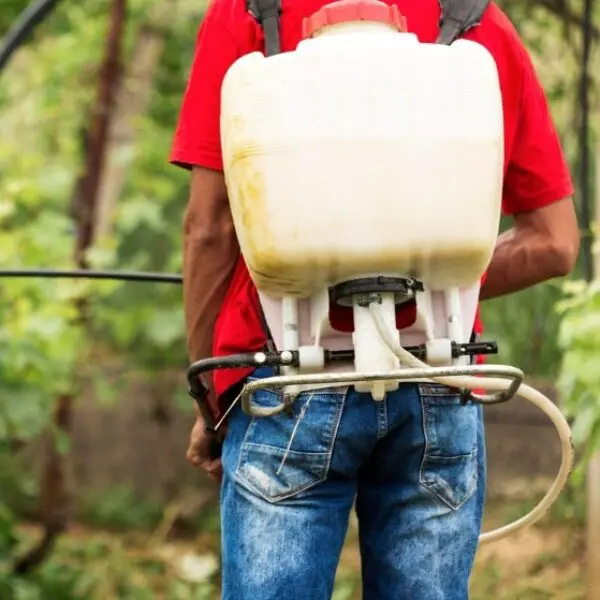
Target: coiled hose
(491,384)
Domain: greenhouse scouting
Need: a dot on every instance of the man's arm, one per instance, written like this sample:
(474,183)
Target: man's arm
(210,248)
(210,253)
(542,244)
(537,189)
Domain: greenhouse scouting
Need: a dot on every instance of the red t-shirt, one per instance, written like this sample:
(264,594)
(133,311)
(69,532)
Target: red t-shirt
(536,173)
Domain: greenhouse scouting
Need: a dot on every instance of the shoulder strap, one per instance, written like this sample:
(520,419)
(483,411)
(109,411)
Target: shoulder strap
(458,16)
(267,12)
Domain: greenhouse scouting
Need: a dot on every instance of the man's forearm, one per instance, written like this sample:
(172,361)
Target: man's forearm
(210,254)
(209,265)
(521,260)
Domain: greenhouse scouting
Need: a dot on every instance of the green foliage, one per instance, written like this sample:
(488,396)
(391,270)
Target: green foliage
(40,156)
(45,104)
(579,380)
(18,485)
(568,510)
(526,326)
(98,566)
(120,508)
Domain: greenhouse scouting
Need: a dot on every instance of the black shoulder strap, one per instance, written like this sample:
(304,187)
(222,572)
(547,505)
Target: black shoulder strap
(458,16)
(267,12)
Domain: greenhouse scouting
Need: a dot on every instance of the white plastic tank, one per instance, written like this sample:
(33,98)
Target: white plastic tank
(363,152)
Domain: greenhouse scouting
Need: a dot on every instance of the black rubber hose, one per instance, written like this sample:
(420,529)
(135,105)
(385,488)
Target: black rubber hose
(174,278)
(28,20)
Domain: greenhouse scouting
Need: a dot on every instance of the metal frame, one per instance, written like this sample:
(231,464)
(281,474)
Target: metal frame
(349,378)
(199,390)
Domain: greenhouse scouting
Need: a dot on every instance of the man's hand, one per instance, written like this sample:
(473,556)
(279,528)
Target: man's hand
(204,451)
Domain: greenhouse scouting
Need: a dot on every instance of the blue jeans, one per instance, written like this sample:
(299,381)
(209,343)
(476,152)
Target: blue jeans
(414,463)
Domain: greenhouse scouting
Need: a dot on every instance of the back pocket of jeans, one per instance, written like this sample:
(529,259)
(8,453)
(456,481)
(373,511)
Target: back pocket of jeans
(284,455)
(449,468)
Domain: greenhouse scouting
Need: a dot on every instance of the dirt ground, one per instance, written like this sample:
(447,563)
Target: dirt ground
(543,561)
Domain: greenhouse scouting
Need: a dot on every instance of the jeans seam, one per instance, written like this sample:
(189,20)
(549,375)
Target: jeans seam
(338,419)
(425,438)
(437,391)
(268,447)
(244,444)
(382,421)
(428,431)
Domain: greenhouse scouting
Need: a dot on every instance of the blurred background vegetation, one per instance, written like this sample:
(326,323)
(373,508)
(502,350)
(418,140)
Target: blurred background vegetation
(87,112)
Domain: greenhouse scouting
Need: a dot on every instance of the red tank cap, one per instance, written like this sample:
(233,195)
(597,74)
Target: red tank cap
(347,11)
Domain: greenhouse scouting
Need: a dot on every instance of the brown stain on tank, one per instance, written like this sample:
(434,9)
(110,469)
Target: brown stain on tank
(251,206)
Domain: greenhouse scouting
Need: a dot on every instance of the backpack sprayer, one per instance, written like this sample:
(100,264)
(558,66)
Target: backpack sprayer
(354,189)
(364,172)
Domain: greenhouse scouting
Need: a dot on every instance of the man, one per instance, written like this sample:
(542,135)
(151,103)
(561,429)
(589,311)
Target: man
(414,463)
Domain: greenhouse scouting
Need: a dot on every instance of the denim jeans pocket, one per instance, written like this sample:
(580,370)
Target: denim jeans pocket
(449,468)
(284,455)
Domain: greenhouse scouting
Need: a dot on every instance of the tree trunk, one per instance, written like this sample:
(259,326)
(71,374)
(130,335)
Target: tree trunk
(132,100)
(56,480)
(87,189)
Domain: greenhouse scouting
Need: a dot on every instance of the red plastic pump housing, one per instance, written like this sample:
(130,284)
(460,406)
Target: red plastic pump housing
(349,11)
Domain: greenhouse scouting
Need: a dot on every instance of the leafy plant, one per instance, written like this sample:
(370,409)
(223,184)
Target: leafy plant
(120,508)
(579,381)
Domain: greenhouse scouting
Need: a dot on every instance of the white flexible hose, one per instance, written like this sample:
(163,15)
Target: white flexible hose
(496,384)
